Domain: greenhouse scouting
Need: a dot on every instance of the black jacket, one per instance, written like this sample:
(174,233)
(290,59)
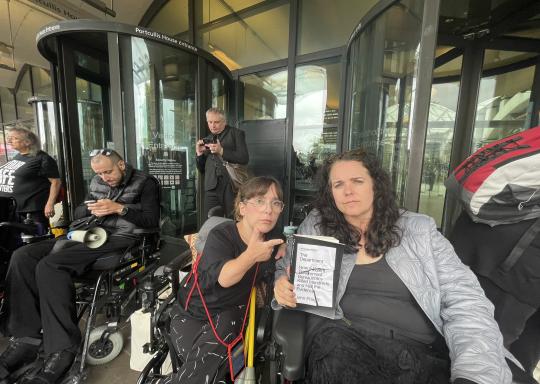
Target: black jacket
(138,191)
(233,141)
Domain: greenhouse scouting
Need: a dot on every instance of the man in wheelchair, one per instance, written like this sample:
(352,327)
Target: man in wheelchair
(40,289)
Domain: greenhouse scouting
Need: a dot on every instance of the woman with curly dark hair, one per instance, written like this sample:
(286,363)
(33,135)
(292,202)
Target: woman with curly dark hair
(409,311)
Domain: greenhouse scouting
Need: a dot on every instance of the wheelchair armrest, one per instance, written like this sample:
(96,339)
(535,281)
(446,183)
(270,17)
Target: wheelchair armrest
(289,332)
(146,231)
(175,265)
(29,229)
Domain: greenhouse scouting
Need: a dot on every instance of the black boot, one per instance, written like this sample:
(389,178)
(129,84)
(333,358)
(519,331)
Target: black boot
(54,368)
(20,352)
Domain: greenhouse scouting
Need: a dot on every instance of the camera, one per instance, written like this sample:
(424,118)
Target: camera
(210,140)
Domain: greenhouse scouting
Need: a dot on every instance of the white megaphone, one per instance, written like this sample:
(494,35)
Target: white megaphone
(92,238)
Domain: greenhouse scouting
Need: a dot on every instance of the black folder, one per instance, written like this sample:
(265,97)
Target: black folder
(312,268)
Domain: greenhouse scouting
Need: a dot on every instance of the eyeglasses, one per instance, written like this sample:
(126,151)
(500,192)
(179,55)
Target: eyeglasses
(103,151)
(260,204)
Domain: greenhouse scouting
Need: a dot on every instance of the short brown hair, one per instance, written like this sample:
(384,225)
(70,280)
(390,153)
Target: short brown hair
(256,186)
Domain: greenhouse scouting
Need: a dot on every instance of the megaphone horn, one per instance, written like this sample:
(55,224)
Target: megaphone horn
(92,238)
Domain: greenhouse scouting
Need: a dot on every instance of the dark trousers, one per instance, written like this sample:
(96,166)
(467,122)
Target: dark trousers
(202,355)
(338,353)
(519,324)
(41,292)
(527,348)
(222,195)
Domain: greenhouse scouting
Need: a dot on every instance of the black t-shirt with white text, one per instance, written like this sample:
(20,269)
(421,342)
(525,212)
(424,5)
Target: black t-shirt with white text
(26,179)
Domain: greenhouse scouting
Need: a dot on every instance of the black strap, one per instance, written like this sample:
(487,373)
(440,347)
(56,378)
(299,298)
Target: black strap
(521,245)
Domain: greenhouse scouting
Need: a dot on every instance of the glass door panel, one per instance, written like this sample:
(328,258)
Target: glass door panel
(383,62)
(504,99)
(164,82)
(92,135)
(439,137)
(315,130)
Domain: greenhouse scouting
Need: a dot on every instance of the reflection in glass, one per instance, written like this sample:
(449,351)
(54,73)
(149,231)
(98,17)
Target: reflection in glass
(438,147)
(41,81)
(316,106)
(451,68)
(383,66)
(44,109)
(46,126)
(91,129)
(265,95)
(172,18)
(254,40)
(218,92)
(214,9)
(164,81)
(7,102)
(328,24)
(504,105)
(25,111)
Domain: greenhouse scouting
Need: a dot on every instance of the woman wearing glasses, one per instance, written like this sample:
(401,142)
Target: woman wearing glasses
(237,255)
(33,179)
(409,311)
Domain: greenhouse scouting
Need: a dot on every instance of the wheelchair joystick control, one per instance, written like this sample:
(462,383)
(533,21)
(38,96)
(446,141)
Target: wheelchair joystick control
(149,294)
(26,238)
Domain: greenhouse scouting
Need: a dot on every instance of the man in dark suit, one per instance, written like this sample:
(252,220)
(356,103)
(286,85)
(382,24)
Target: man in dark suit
(225,143)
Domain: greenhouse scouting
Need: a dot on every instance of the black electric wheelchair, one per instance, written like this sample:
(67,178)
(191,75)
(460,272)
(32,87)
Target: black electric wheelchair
(161,344)
(111,287)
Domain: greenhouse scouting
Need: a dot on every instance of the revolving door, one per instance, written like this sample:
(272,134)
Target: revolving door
(139,92)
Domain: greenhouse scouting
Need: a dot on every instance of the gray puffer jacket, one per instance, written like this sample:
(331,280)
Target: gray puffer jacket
(446,290)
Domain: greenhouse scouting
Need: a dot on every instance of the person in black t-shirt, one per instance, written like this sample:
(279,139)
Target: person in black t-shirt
(236,255)
(31,178)
(39,286)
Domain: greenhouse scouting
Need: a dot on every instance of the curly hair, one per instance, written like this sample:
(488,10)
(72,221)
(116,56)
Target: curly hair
(382,232)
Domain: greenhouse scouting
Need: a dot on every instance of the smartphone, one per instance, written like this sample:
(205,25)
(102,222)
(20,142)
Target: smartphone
(212,140)
(89,202)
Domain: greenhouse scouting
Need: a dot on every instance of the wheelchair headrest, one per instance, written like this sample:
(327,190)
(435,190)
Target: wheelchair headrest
(205,230)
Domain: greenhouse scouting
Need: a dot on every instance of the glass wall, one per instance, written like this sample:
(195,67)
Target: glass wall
(7,103)
(25,111)
(92,131)
(211,10)
(8,114)
(30,106)
(440,135)
(383,67)
(164,81)
(172,18)
(256,39)
(44,110)
(504,99)
(316,106)
(328,24)
(217,88)
(265,95)
(315,132)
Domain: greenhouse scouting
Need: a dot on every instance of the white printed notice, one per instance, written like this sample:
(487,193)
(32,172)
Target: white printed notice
(314,274)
